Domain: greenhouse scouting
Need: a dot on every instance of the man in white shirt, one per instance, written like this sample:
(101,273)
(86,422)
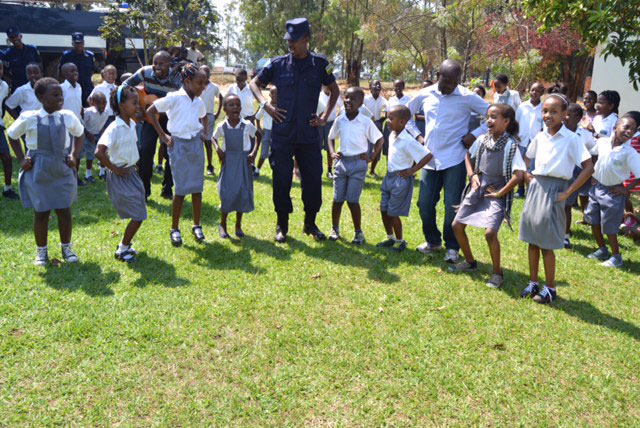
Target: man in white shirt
(193,54)
(242,90)
(529,118)
(447,106)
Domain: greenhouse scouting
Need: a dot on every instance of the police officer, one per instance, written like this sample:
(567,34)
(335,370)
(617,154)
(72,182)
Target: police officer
(84,60)
(299,77)
(18,56)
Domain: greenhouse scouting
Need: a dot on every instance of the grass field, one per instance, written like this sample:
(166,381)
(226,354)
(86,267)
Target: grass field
(253,333)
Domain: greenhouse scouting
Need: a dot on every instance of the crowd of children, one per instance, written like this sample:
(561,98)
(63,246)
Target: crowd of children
(564,155)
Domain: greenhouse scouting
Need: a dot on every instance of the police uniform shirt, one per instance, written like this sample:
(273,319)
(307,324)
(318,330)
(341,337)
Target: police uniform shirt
(18,60)
(299,82)
(85,64)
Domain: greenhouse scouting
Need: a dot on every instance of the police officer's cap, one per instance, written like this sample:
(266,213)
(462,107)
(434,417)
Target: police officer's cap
(13,32)
(77,37)
(297,28)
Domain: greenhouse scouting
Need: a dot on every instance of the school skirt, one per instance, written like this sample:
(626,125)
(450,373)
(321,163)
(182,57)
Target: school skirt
(127,194)
(186,158)
(605,209)
(50,184)
(542,222)
(479,211)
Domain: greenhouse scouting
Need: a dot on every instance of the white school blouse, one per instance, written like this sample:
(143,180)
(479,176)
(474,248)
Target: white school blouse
(363,110)
(510,97)
(4,91)
(27,124)
(323,99)
(121,139)
(105,88)
(184,113)
(355,134)
(72,98)
(557,155)
(604,125)
(94,120)
(529,117)
(375,105)
(404,150)
(267,120)
(209,96)
(587,139)
(248,134)
(25,98)
(615,164)
(246,98)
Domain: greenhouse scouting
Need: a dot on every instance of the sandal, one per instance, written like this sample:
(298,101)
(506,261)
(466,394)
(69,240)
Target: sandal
(222,232)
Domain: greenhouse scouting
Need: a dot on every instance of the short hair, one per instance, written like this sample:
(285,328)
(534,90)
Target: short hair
(503,78)
(241,71)
(398,81)
(575,108)
(633,114)
(612,97)
(97,95)
(482,89)
(356,90)
(127,91)
(205,67)
(403,111)
(227,98)
(163,54)
(594,94)
(42,85)
(109,67)
(33,64)
(508,112)
(67,65)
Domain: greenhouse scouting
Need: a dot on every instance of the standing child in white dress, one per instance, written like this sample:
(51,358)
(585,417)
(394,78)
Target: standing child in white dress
(118,151)
(48,176)
(185,146)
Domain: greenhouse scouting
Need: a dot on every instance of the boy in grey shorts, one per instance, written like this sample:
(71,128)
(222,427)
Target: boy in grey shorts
(355,131)
(94,118)
(406,157)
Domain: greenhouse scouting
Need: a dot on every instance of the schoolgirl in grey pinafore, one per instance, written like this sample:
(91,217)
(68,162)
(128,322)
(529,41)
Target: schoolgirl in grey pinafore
(51,184)
(186,158)
(235,184)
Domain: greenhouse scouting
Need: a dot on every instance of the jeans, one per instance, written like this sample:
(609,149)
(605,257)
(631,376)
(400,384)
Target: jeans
(453,180)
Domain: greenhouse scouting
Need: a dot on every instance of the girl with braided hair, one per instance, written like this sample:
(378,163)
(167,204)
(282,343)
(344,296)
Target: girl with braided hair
(187,120)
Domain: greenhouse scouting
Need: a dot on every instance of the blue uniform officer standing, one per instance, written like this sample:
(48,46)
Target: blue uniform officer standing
(299,77)
(85,61)
(19,56)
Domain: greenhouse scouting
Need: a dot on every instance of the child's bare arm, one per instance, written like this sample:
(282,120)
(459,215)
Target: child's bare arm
(101,155)
(416,167)
(332,149)
(152,114)
(377,149)
(25,161)
(516,178)
(205,128)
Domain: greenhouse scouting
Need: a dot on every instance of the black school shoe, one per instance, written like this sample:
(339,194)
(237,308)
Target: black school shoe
(127,256)
(281,236)
(176,238)
(90,179)
(197,233)
(81,183)
(10,194)
(314,231)
(386,244)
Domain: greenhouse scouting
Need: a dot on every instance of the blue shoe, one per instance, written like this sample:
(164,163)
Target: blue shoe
(614,261)
(530,290)
(546,295)
(601,254)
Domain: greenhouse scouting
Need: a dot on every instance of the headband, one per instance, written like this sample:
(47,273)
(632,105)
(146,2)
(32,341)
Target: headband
(119,93)
(561,98)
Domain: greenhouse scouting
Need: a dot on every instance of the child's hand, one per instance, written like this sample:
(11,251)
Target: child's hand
(528,178)
(203,138)
(71,161)
(406,173)
(365,157)
(492,193)
(251,158)
(27,163)
(562,196)
(166,139)
(620,190)
(220,155)
(118,170)
(336,155)
(475,181)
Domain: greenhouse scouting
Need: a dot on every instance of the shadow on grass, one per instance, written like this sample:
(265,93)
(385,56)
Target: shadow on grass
(214,255)
(154,270)
(86,277)
(210,215)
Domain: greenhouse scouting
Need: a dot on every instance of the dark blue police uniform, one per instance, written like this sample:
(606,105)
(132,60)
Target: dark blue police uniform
(18,60)
(85,63)
(299,82)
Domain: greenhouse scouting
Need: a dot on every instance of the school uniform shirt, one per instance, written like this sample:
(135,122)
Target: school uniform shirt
(105,88)
(375,105)
(72,98)
(184,113)
(246,98)
(337,109)
(509,97)
(363,110)
(4,91)
(248,134)
(557,155)
(25,98)
(94,120)
(209,96)
(404,150)
(395,101)
(529,117)
(267,120)
(446,122)
(635,143)
(615,163)
(27,124)
(587,139)
(121,141)
(604,125)
(355,134)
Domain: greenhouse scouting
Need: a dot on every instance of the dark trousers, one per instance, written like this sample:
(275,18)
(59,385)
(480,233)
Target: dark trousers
(309,158)
(431,184)
(149,138)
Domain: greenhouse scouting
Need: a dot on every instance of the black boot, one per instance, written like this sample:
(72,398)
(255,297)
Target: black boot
(310,227)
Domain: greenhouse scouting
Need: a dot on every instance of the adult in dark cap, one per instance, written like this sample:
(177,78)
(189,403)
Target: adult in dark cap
(18,56)
(299,77)
(84,60)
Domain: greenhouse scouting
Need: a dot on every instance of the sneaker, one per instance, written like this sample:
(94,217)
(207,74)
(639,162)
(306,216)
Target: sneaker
(399,246)
(90,179)
(452,256)
(530,290)
(68,255)
(428,248)
(495,281)
(10,194)
(176,237)
(80,182)
(601,254)
(358,238)
(330,175)
(159,169)
(546,295)
(464,266)
(210,170)
(386,244)
(614,261)
(567,244)
(42,257)
(334,235)
(197,233)
(127,256)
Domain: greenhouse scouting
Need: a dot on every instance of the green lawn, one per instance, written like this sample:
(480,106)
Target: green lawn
(253,333)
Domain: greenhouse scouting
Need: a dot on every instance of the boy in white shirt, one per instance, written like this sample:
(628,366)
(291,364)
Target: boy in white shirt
(398,99)
(503,94)
(529,118)
(376,104)
(267,123)
(109,75)
(72,93)
(355,132)
(406,157)
(616,160)
(95,119)
(323,100)
(5,153)
(242,90)
(24,97)
(208,96)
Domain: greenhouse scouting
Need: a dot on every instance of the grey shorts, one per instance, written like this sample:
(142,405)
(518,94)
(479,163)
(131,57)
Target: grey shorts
(211,118)
(265,144)
(4,146)
(605,209)
(348,179)
(396,195)
(88,149)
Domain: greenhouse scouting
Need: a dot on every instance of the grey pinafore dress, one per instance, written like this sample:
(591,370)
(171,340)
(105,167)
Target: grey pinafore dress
(127,194)
(235,184)
(51,184)
(477,210)
(542,222)
(186,158)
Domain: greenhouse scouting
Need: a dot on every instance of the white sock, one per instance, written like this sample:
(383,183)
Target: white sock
(122,247)
(42,248)
(67,245)
(88,174)
(103,170)
(566,236)
(257,170)
(391,237)
(7,187)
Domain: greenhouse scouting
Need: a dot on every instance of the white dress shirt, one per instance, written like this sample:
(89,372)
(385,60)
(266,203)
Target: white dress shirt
(404,150)
(209,96)
(615,164)
(354,135)
(4,91)
(94,120)
(72,98)
(446,122)
(249,132)
(184,113)
(246,99)
(375,105)
(557,155)
(529,117)
(121,140)
(25,98)
(604,125)
(363,110)
(587,139)
(105,88)
(27,124)
(324,100)
(509,97)
(267,120)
